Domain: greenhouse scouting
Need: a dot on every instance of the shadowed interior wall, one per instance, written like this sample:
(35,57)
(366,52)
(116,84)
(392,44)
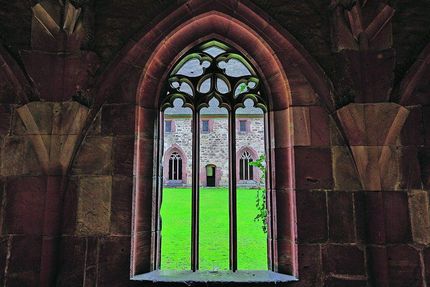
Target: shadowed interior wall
(74,135)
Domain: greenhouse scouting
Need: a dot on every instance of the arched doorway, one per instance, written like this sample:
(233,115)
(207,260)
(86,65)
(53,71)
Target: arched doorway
(210,175)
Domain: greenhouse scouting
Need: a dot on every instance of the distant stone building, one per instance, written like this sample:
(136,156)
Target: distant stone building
(214,170)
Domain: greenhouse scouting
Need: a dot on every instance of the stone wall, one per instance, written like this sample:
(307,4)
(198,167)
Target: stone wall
(213,145)
(351,163)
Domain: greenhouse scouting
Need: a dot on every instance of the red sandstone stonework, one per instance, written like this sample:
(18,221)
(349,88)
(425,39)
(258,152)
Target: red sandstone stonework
(349,143)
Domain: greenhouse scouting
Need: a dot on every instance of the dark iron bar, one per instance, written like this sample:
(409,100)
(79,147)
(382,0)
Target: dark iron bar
(232,191)
(195,193)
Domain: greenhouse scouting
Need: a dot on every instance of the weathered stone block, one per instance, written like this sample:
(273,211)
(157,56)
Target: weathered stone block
(118,119)
(342,282)
(70,207)
(5,119)
(343,259)
(283,172)
(301,91)
(426,124)
(24,263)
(404,266)
(313,168)
(72,270)
(283,214)
(410,172)
(122,193)
(413,130)
(123,155)
(310,269)
(145,158)
(68,118)
(426,258)
(420,216)
(25,203)
(283,128)
(114,261)
(345,175)
(341,217)
(94,156)
(94,205)
(320,130)
(34,118)
(301,122)
(372,124)
(18,157)
(398,228)
(311,216)
(424,160)
(388,217)
(378,167)
(147,122)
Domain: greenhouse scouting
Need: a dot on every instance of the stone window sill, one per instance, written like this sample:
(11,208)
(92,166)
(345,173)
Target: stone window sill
(225,277)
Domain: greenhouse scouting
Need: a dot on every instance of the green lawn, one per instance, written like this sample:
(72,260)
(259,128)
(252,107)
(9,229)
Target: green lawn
(176,230)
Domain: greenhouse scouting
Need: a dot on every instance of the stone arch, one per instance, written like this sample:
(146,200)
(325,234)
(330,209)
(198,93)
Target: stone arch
(287,72)
(166,157)
(254,156)
(16,76)
(416,76)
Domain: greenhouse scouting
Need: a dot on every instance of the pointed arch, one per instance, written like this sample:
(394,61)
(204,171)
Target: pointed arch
(166,158)
(417,76)
(16,76)
(289,76)
(254,156)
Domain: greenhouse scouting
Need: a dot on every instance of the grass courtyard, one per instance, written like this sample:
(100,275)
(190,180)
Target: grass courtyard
(214,234)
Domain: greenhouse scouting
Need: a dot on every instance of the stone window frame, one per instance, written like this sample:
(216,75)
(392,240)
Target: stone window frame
(247,126)
(240,90)
(210,126)
(172,125)
(254,155)
(291,76)
(174,148)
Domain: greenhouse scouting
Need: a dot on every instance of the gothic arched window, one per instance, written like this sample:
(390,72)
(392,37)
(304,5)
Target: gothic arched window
(175,167)
(213,76)
(246,171)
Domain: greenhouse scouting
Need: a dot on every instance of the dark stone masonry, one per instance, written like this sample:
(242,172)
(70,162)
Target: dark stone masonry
(347,147)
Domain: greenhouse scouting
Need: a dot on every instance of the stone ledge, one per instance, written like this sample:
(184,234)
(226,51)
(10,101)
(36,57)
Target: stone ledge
(190,278)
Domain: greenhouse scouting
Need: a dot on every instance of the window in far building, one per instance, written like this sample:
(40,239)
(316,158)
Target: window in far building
(242,126)
(175,167)
(246,171)
(205,126)
(168,127)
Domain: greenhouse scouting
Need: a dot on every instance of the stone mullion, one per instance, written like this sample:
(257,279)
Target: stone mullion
(195,192)
(232,191)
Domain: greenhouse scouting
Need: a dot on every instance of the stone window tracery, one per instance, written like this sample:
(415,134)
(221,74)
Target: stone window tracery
(214,77)
(175,167)
(246,171)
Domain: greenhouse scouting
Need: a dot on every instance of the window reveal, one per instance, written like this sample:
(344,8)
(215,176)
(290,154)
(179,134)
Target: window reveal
(213,70)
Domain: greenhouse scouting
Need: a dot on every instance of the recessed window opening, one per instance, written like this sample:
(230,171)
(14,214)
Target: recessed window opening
(168,126)
(175,167)
(246,170)
(242,126)
(213,211)
(205,126)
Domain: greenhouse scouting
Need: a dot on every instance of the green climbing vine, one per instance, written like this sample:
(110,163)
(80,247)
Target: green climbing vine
(260,202)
